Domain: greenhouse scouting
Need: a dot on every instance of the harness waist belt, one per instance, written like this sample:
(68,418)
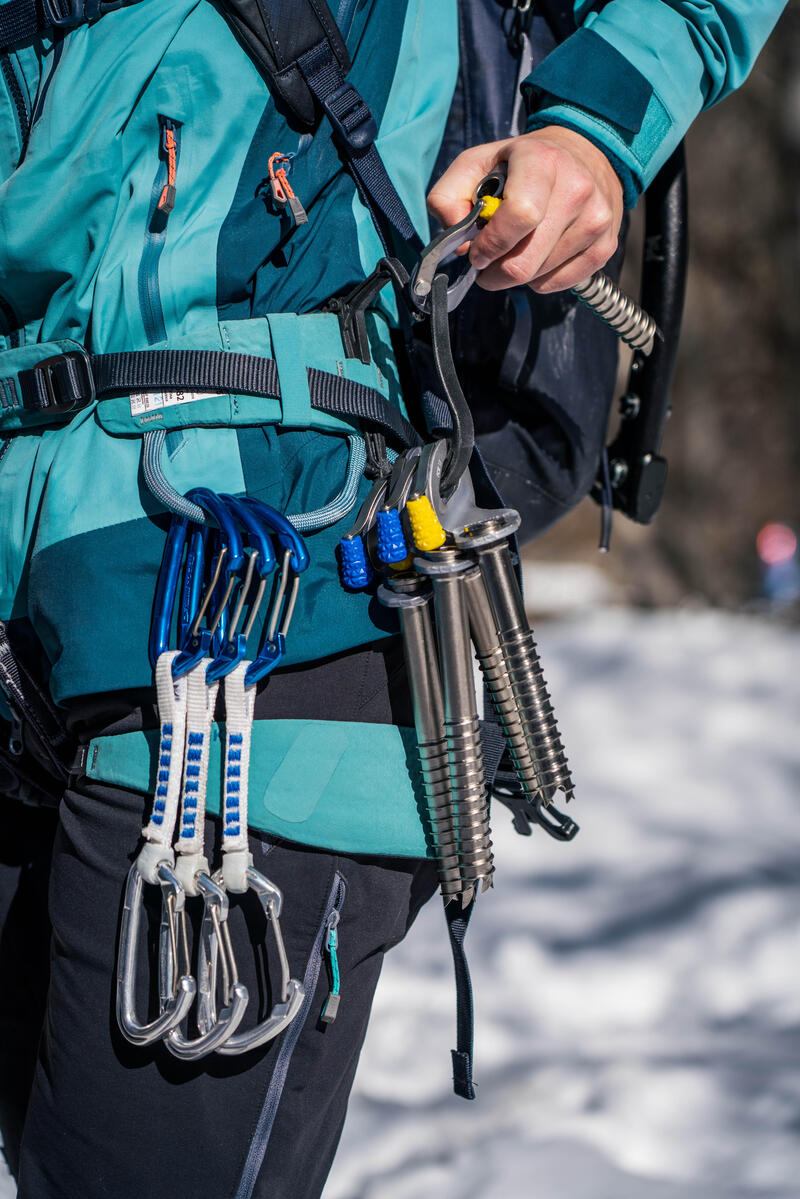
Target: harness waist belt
(58,386)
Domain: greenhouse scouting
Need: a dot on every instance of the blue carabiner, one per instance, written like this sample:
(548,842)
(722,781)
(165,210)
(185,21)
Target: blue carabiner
(234,649)
(257,536)
(232,538)
(228,561)
(295,557)
(286,533)
(192,591)
(166,588)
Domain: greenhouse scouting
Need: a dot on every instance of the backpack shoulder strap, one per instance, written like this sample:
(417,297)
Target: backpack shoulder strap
(298,47)
(276,35)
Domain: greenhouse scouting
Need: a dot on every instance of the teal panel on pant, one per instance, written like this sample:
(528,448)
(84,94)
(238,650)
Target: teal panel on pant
(340,785)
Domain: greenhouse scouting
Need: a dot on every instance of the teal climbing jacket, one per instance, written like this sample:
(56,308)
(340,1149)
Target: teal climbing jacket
(637,73)
(161,90)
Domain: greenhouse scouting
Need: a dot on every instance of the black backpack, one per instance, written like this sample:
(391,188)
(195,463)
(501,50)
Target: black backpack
(542,401)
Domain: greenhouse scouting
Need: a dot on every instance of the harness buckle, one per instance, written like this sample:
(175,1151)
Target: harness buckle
(63,383)
(351,117)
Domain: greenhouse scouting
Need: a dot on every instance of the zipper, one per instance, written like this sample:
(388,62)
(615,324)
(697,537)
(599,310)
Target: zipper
(266,1120)
(30,705)
(162,203)
(330,1008)
(283,194)
(18,99)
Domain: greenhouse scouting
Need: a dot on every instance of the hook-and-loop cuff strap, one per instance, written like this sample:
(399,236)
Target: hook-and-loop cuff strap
(58,386)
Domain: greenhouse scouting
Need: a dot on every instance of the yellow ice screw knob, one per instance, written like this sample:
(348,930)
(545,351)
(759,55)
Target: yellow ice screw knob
(489,206)
(425,527)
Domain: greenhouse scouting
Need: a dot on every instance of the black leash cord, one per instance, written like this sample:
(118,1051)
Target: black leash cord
(462,439)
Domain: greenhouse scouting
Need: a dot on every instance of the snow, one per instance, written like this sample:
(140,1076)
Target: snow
(638,999)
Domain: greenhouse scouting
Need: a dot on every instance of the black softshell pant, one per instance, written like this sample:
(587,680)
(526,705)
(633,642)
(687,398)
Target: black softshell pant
(107,1119)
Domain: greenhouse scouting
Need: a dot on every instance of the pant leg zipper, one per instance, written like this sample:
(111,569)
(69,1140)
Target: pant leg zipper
(266,1120)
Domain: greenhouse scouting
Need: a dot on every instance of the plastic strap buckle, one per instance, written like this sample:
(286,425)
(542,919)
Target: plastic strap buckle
(63,383)
(67,14)
(63,14)
(351,117)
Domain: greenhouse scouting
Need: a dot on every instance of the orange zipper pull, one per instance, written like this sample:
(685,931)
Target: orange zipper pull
(168,196)
(282,189)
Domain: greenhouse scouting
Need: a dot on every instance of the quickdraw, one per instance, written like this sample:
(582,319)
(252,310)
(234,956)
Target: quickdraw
(212,650)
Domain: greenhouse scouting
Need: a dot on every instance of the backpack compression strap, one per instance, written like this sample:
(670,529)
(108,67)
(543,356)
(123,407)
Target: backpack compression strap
(21,20)
(297,46)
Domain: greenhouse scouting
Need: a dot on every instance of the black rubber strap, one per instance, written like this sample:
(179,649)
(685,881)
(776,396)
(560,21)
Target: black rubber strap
(457,924)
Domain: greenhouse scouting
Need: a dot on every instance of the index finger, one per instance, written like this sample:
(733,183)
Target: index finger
(525,200)
(451,197)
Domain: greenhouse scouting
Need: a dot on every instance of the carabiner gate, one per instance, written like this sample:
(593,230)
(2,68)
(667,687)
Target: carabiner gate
(291,991)
(177,998)
(214,1032)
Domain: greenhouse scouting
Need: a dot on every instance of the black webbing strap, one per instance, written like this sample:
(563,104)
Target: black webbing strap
(493,740)
(65,383)
(185,370)
(20,20)
(457,924)
(343,397)
(355,131)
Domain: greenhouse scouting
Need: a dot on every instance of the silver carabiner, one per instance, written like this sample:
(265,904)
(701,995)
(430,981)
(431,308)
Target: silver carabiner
(216,1031)
(176,998)
(291,992)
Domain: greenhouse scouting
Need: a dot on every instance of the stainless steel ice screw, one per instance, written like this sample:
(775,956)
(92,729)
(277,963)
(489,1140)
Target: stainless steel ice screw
(487,541)
(469,798)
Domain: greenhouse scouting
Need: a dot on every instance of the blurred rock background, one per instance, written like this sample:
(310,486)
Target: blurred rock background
(733,441)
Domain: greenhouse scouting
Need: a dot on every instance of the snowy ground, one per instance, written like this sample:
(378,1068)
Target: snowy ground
(638,996)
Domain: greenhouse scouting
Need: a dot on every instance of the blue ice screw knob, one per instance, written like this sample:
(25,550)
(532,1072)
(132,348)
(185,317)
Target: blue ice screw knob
(391,540)
(356,571)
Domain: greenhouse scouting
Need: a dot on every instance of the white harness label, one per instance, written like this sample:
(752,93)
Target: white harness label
(149,401)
